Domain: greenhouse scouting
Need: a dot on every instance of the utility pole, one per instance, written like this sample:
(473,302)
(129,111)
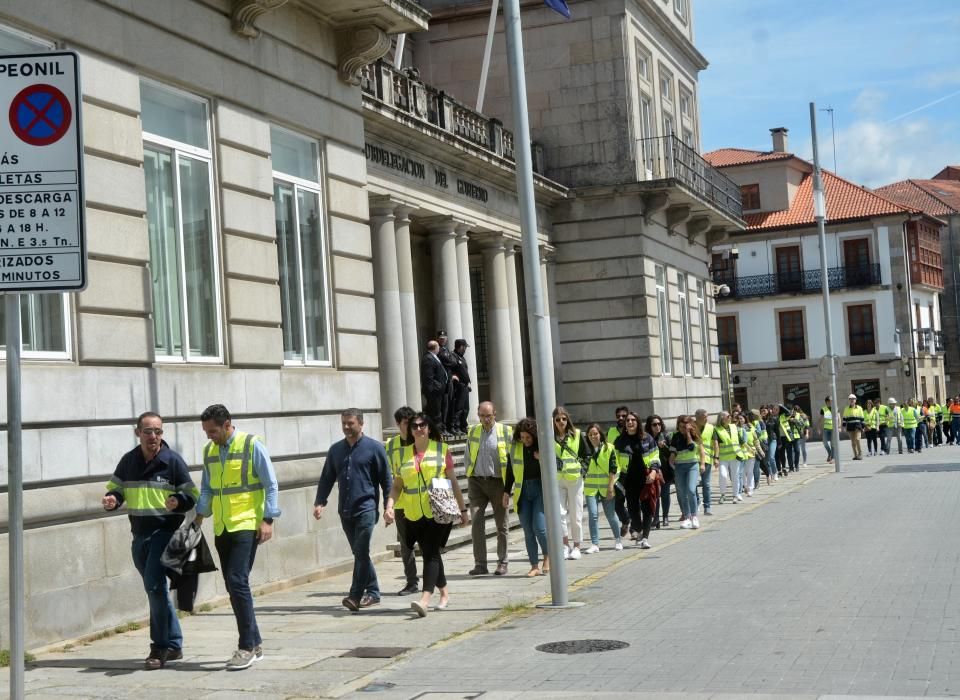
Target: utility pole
(820,214)
(541,354)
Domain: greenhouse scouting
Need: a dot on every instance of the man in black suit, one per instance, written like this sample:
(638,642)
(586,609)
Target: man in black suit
(433,384)
(461,387)
(449,363)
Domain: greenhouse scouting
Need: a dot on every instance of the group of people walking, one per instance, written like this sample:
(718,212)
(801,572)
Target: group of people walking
(625,471)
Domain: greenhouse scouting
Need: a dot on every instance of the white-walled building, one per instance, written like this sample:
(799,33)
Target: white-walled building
(885,274)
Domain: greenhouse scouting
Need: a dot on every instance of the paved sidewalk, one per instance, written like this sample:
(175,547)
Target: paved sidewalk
(306,631)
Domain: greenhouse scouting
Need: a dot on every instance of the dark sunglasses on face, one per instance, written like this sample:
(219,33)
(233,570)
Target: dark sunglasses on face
(419,426)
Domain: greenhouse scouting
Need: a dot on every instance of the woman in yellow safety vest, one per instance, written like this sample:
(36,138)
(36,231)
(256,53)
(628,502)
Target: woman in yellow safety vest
(687,456)
(571,454)
(430,459)
(639,455)
(871,416)
(524,486)
(727,436)
(598,487)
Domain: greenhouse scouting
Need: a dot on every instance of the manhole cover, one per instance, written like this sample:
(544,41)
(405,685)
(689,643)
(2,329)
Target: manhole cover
(582,646)
(914,468)
(375,652)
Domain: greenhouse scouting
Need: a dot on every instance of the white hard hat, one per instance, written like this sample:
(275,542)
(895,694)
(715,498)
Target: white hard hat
(852,396)
(891,400)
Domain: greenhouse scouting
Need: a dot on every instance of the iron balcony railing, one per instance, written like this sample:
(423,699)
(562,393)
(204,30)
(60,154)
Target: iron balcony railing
(929,340)
(403,90)
(938,342)
(799,282)
(669,158)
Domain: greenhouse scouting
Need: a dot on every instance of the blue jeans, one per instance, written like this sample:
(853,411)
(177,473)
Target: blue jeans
(705,483)
(164,626)
(772,457)
(609,509)
(532,519)
(828,442)
(359,530)
(908,433)
(803,451)
(237,551)
(955,429)
(685,481)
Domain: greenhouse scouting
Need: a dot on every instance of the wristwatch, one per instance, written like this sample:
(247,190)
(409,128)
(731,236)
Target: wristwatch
(268,521)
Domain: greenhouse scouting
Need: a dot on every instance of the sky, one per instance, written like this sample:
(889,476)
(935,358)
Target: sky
(888,68)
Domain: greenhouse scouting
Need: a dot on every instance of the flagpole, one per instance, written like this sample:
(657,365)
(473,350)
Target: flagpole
(544,391)
(488,47)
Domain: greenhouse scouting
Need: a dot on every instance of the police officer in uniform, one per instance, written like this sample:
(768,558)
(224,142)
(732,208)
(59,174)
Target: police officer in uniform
(460,381)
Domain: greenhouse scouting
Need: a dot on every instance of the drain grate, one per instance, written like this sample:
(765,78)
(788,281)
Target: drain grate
(374,652)
(582,646)
(868,476)
(918,468)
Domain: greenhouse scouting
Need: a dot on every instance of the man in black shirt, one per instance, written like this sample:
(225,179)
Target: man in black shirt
(153,481)
(460,380)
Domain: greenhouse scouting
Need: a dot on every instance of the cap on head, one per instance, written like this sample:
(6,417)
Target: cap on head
(461,343)
(891,400)
(441,333)
(852,396)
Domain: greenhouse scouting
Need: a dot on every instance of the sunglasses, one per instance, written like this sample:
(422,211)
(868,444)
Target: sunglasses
(152,431)
(656,422)
(419,426)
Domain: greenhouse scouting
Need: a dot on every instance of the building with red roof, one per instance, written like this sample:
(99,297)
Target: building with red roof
(884,269)
(940,197)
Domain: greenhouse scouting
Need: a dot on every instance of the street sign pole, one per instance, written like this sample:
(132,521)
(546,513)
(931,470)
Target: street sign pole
(820,214)
(14,494)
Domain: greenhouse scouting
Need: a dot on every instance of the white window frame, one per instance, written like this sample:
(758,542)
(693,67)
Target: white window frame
(663,313)
(686,103)
(665,76)
(686,332)
(316,188)
(644,59)
(680,9)
(704,329)
(65,307)
(647,128)
(176,148)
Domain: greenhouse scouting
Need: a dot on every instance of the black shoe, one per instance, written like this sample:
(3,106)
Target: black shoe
(350,604)
(174,655)
(479,571)
(409,588)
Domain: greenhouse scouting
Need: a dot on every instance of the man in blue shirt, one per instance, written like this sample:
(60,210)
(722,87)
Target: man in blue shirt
(239,488)
(358,465)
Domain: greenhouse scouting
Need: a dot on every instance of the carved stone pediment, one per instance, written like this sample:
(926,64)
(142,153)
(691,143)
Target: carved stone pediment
(357,47)
(244,14)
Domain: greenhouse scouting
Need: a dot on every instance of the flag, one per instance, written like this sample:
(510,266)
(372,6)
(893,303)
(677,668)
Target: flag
(558,6)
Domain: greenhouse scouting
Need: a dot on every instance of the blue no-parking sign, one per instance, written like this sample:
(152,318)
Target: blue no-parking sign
(42,241)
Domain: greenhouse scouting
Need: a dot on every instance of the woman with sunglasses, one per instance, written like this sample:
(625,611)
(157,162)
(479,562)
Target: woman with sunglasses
(598,487)
(656,429)
(687,456)
(430,459)
(571,454)
(525,487)
(640,455)
(727,437)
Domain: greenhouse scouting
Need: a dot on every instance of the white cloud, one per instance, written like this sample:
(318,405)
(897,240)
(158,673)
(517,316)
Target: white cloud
(941,78)
(869,101)
(875,153)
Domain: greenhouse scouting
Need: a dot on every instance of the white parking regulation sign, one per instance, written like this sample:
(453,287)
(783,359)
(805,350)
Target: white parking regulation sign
(42,241)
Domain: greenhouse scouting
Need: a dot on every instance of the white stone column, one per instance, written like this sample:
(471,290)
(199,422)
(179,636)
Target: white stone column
(466,317)
(410,348)
(499,354)
(443,246)
(386,291)
(548,272)
(516,337)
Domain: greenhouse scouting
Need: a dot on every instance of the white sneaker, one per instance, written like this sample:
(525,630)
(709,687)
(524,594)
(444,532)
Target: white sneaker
(739,498)
(686,524)
(776,477)
(644,544)
(749,494)
(618,546)
(695,524)
(566,551)
(593,549)
(575,553)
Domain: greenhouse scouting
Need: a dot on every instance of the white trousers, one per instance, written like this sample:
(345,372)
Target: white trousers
(571,500)
(748,474)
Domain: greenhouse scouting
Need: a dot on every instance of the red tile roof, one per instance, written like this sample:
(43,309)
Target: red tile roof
(724,157)
(845,202)
(951,172)
(934,197)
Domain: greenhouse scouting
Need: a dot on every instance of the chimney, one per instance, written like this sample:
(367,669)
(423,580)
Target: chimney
(779,135)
